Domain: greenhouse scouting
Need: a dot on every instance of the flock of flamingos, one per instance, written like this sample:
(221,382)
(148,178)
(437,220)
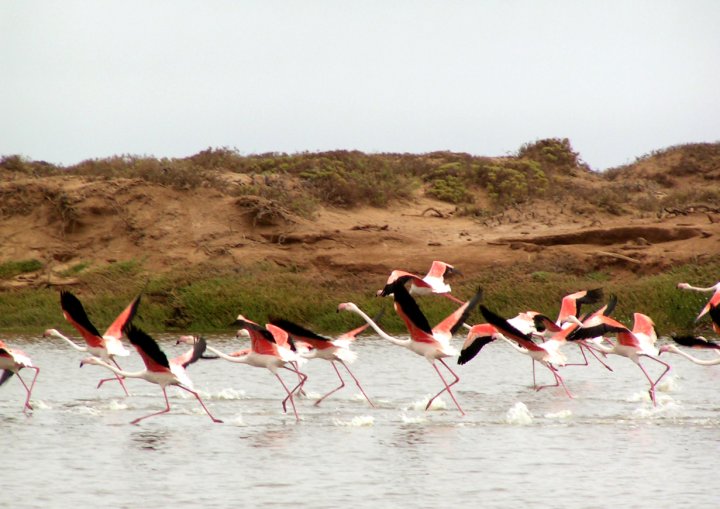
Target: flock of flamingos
(284,344)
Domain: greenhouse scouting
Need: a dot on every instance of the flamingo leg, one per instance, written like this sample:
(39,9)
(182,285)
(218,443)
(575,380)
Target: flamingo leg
(558,381)
(117,377)
(289,396)
(592,351)
(342,384)
(535,386)
(27,406)
(452,298)
(585,361)
(653,384)
(447,386)
(167,409)
(357,383)
(201,402)
(295,365)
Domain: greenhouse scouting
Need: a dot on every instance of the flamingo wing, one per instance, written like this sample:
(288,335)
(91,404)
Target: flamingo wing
(116,328)
(300,333)
(455,320)
(571,303)
(507,330)
(74,313)
(154,358)
(6,375)
(406,307)
(478,336)
(696,342)
(192,355)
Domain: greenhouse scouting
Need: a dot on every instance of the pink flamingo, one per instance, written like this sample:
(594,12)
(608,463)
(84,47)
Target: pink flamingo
(699,343)
(432,282)
(332,350)
(158,369)
(433,343)
(548,353)
(11,362)
(266,352)
(106,346)
(633,344)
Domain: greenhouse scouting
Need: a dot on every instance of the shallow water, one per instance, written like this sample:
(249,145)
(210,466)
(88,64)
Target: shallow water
(515,447)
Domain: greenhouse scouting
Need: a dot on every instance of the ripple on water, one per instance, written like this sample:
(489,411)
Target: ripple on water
(358,421)
(519,414)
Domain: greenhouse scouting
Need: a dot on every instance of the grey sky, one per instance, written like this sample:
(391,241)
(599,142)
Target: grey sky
(86,79)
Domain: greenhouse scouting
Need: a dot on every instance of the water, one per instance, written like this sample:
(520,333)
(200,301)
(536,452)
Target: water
(515,447)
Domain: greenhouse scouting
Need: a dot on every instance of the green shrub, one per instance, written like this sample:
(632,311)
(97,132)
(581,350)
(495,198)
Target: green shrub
(14,268)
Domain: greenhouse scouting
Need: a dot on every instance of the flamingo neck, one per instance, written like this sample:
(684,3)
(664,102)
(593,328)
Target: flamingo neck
(381,333)
(118,371)
(222,355)
(69,341)
(701,362)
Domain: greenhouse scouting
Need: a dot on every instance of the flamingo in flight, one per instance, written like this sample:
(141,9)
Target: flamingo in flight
(266,351)
(633,344)
(547,353)
(432,282)
(11,362)
(713,302)
(332,350)
(433,343)
(693,342)
(106,346)
(158,369)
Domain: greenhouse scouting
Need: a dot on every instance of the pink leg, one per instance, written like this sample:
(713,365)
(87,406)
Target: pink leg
(447,386)
(342,384)
(167,409)
(117,377)
(302,378)
(201,402)
(592,351)
(289,396)
(295,365)
(558,381)
(585,361)
(452,298)
(654,384)
(357,383)
(535,386)
(27,406)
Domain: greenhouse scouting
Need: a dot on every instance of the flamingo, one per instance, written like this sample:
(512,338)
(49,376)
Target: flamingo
(106,346)
(548,353)
(337,350)
(11,362)
(713,302)
(266,352)
(633,344)
(431,343)
(698,342)
(158,369)
(432,282)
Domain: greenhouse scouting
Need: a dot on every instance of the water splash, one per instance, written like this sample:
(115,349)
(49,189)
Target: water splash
(437,404)
(114,404)
(229,394)
(559,416)
(519,414)
(406,419)
(358,421)
(39,404)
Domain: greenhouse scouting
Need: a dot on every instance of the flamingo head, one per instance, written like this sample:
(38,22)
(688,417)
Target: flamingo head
(347,306)
(90,360)
(49,333)
(242,333)
(683,286)
(188,340)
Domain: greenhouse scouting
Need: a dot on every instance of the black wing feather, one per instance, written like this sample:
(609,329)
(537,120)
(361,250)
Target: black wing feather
(72,306)
(695,342)
(142,340)
(410,308)
(469,309)
(296,330)
(6,375)
(467,354)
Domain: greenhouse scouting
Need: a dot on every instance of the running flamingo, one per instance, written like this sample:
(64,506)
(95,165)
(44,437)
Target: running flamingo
(158,369)
(633,344)
(432,282)
(106,346)
(431,343)
(333,350)
(548,353)
(265,352)
(11,362)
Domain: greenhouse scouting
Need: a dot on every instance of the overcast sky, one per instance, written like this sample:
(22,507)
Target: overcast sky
(89,79)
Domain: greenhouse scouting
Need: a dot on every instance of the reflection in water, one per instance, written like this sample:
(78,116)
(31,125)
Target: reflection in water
(150,440)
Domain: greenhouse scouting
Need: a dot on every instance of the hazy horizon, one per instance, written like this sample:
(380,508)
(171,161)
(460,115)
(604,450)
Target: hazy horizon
(170,79)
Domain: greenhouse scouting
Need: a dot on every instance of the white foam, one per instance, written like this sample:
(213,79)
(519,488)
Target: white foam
(519,414)
(358,421)
(560,416)
(668,384)
(413,420)
(437,404)
(39,405)
(114,404)
(86,410)
(229,394)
